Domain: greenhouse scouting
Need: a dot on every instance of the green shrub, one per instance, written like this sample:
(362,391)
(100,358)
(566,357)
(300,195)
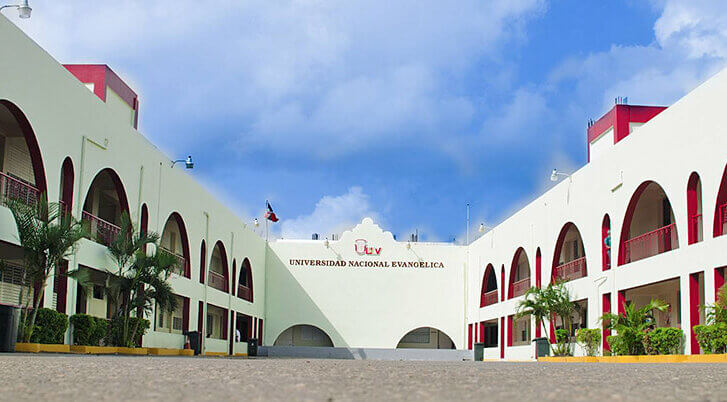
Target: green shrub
(663,341)
(115,332)
(628,342)
(589,339)
(50,327)
(563,345)
(712,338)
(88,330)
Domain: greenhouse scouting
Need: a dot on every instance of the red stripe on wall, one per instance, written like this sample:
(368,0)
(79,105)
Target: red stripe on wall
(606,309)
(694,310)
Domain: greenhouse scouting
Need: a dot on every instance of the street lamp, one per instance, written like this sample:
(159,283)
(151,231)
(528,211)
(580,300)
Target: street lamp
(23,9)
(555,173)
(187,162)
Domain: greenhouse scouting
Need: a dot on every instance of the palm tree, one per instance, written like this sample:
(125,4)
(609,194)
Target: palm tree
(633,323)
(546,303)
(47,236)
(138,280)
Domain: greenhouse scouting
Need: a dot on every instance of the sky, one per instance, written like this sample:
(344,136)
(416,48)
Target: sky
(405,111)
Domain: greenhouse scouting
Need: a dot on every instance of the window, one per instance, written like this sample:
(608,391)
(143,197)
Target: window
(420,335)
(98,291)
(170,321)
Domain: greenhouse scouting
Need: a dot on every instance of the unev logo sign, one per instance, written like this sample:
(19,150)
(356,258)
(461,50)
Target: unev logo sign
(362,248)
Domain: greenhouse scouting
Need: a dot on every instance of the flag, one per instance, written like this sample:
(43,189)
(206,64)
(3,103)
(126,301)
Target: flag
(269,214)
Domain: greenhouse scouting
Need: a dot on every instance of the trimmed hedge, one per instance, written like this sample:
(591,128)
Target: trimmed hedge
(50,327)
(88,330)
(712,338)
(663,341)
(114,336)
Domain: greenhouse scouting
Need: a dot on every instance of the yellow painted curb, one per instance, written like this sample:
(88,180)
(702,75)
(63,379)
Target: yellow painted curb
(240,354)
(721,358)
(132,351)
(215,354)
(94,350)
(170,352)
(55,348)
(186,352)
(27,347)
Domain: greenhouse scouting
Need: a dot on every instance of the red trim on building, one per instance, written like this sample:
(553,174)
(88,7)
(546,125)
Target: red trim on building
(619,118)
(718,280)
(502,337)
(509,330)
(502,283)
(469,336)
(482,332)
(185,243)
(260,331)
(559,248)
(693,310)
(490,270)
(606,308)
(606,250)
(200,322)
(629,216)
(718,211)
(232,332)
(538,284)
(246,292)
(101,76)
(185,314)
(693,211)
(62,288)
(202,261)
(513,270)
(225,266)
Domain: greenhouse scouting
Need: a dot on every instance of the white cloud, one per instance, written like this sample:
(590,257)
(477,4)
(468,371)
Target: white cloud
(332,215)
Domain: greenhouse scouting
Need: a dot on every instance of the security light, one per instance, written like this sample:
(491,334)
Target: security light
(554,175)
(24,9)
(187,162)
(482,228)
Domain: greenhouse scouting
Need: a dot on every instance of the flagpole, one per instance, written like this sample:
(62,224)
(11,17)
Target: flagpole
(266,221)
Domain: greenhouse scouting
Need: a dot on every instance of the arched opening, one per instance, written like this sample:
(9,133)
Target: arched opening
(144,223)
(720,212)
(538,267)
(218,277)
(174,241)
(606,243)
(60,280)
(244,284)
(569,259)
(66,190)
(488,293)
(105,203)
(519,274)
(202,261)
(303,335)
(694,208)
(649,226)
(502,281)
(22,176)
(425,338)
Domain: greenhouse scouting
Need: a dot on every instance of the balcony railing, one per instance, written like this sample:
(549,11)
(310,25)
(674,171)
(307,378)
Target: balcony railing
(652,243)
(14,189)
(695,223)
(723,218)
(102,231)
(519,287)
(489,298)
(243,292)
(217,281)
(570,270)
(181,264)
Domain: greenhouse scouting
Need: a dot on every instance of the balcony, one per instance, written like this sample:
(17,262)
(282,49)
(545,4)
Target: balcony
(652,243)
(102,231)
(181,265)
(519,287)
(217,281)
(695,223)
(489,298)
(15,189)
(570,270)
(243,292)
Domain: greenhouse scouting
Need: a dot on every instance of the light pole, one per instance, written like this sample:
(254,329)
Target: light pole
(24,9)
(555,173)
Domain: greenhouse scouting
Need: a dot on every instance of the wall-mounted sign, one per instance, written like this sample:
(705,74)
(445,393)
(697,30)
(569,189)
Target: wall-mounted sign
(365,264)
(362,248)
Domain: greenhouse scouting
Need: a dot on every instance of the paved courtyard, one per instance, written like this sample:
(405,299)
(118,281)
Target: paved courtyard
(68,377)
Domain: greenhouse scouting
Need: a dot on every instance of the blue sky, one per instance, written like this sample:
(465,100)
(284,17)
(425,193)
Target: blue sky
(404,111)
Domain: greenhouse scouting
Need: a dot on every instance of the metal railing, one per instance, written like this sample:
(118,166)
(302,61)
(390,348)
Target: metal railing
(519,287)
(489,298)
(217,281)
(243,292)
(695,223)
(651,243)
(14,189)
(723,218)
(570,270)
(100,230)
(181,265)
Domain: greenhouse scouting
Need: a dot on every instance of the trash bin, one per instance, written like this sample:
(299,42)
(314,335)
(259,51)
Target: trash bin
(542,347)
(195,341)
(479,352)
(9,319)
(252,347)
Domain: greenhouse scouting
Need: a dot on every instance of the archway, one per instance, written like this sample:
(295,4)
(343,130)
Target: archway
(174,241)
(105,203)
(720,211)
(22,175)
(569,258)
(488,292)
(694,209)
(425,338)
(519,274)
(218,272)
(649,226)
(244,284)
(303,335)
(606,243)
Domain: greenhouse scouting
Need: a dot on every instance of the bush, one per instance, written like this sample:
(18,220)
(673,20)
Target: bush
(116,327)
(628,342)
(712,338)
(50,327)
(663,341)
(562,345)
(88,330)
(589,339)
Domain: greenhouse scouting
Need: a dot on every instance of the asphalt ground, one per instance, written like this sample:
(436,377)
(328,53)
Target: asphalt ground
(135,378)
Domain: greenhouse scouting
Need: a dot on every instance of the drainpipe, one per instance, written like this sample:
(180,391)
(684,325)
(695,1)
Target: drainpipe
(138,204)
(204,282)
(159,197)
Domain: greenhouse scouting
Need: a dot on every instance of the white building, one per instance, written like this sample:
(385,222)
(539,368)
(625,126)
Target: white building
(654,176)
